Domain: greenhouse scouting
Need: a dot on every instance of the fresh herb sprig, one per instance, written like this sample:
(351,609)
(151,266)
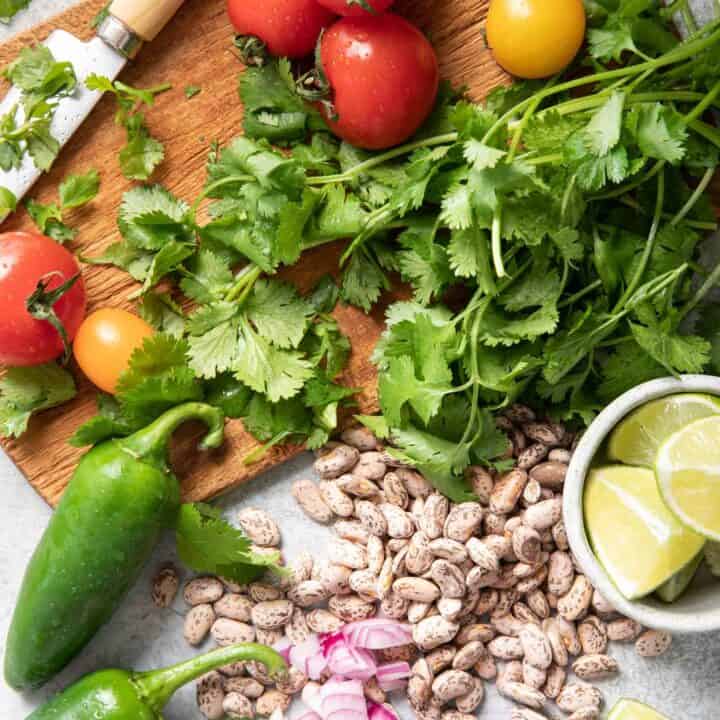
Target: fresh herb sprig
(143,153)
(549,239)
(75,191)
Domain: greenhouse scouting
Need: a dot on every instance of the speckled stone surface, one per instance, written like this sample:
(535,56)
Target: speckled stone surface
(684,685)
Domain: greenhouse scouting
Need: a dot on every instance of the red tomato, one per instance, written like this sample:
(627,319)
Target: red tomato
(356,8)
(384,78)
(25,259)
(288,27)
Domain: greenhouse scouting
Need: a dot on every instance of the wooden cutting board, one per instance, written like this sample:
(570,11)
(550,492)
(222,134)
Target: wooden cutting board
(196,48)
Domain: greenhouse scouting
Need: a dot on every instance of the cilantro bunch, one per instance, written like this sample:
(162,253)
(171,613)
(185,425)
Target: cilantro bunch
(550,238)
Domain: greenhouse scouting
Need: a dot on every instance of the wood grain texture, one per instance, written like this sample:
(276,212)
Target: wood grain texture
(196,48)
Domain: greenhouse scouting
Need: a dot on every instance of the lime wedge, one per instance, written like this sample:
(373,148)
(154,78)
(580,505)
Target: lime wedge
(712,558)
(688,472)
(633,710)
(671,590)
(637,539)
(636,440)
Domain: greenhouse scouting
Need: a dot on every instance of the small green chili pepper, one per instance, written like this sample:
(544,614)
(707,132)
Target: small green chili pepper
(120,499)
(123,695)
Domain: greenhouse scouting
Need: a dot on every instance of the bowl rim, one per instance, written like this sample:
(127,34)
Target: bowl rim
(658,618)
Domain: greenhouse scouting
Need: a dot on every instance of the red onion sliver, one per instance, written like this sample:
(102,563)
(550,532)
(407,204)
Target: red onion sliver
(378,633)
(343,700)
(393,676)
(381,712)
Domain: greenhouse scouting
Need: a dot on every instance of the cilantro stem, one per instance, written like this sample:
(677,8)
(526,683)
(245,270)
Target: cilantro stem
(682,52)
(710,133)
(372,162)
(245,280)
(649,245)
(629,187)
(496,235)
(710,282)
(570,107)
(517,135)
(693,199)
(695,224)
(580,294)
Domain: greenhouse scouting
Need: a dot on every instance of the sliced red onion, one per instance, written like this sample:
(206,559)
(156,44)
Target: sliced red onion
(308,657)
(350,662)
(343,700)
(378,633)
(309,715)
(393,676)
(381,712)
(311,697)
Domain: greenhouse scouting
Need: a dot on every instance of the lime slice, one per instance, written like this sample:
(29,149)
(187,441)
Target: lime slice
(671,590)
(712,558)
(688,472)
(635,441)
(633,710)
(637,539)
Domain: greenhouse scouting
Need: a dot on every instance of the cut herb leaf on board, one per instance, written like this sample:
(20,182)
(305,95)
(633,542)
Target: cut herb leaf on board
(26,128)
(24,391)
(208,543)
(143,153)
(10,8)
(75,191)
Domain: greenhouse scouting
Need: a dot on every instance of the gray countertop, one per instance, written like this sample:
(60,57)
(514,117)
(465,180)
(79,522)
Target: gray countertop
(684,685)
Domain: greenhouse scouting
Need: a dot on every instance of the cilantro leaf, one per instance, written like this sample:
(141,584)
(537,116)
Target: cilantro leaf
(191,91)
(10,8)
(163,313)
(143,153)
(363,281)
(158,377)
(271,107)
(278,374)
(469,257)
(208,543)
(49,221)
(660,132)
(108,423)
(612,40)
(676,353)
(278,313)
(78,190)
(27,390)
(603,131)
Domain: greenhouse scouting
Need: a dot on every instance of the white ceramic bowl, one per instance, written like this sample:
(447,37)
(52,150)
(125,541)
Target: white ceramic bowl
(698,610)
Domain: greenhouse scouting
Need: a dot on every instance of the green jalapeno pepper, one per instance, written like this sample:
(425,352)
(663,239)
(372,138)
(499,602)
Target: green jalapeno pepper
(123,695)
(120,499)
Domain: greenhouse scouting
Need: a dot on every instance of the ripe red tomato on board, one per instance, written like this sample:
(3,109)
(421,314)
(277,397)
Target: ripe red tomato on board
(357,8)
(25,260)
(287,27)
(383,75)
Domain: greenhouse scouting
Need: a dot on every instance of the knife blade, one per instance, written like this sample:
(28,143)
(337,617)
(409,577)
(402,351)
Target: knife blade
(119,37)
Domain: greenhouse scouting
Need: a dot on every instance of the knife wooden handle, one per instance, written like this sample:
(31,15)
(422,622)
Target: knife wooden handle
(146,18)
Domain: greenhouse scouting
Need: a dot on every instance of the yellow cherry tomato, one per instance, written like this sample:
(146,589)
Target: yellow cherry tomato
(104,343)
(535,38)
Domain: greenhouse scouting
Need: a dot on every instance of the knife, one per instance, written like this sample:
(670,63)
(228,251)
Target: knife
(128,24)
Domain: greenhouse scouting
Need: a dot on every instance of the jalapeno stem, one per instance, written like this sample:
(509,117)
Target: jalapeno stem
(158,686)
(150,443)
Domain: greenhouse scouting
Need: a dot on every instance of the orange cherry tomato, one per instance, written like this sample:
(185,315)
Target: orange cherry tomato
(104,343)
(535,38)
